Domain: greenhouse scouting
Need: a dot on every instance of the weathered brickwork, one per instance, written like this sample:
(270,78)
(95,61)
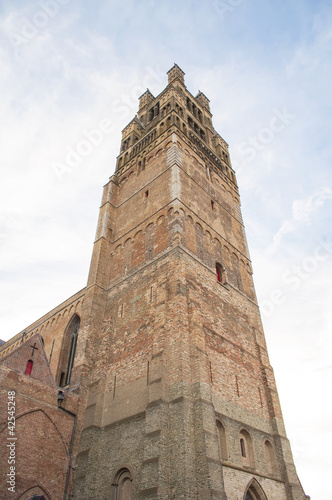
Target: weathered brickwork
(42,433)
(164,348)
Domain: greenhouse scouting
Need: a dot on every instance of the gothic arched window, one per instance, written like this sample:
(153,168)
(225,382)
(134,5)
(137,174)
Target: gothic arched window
(246,449)
(68,351)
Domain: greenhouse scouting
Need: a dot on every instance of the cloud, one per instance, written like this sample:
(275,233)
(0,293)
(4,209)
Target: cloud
(302,212)
(303,209)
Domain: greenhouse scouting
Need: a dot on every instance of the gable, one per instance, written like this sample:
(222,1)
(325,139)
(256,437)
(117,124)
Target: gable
(30,359)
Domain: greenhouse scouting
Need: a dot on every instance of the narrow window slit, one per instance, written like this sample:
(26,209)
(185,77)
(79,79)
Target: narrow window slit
(243,447)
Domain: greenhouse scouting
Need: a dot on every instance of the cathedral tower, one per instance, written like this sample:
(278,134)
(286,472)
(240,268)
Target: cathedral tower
(162,357)
(182,401)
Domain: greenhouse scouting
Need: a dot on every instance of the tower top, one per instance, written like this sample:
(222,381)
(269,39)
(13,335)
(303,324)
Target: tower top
(145,98)
(175,72)
(203,100)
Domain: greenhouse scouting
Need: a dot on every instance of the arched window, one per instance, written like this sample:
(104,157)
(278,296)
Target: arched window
(246,449)
(28,368)
(68,351)
(123,485)
(221,274)
(222,441)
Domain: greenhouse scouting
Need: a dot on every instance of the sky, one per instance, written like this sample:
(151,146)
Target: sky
(71,73)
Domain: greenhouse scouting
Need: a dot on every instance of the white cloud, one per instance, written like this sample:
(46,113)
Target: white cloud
(303,209)
(302,212)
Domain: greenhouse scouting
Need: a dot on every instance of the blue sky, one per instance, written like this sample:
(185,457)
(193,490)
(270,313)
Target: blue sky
(68,66)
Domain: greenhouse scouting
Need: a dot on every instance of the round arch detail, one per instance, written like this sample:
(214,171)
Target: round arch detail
(123,485)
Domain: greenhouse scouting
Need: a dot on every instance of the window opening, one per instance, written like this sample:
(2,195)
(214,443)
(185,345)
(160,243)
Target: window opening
(243,447)
(247,450)
(73,342)
(68,351)
(28,368)
(220,271)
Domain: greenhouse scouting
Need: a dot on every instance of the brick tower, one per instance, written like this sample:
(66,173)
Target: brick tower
(162,355)
(181,397)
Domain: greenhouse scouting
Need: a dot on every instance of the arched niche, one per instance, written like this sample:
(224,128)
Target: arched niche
(222,441)
(123,485)
(246,449)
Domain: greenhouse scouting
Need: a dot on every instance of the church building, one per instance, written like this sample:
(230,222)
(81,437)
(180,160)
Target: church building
(153,382)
